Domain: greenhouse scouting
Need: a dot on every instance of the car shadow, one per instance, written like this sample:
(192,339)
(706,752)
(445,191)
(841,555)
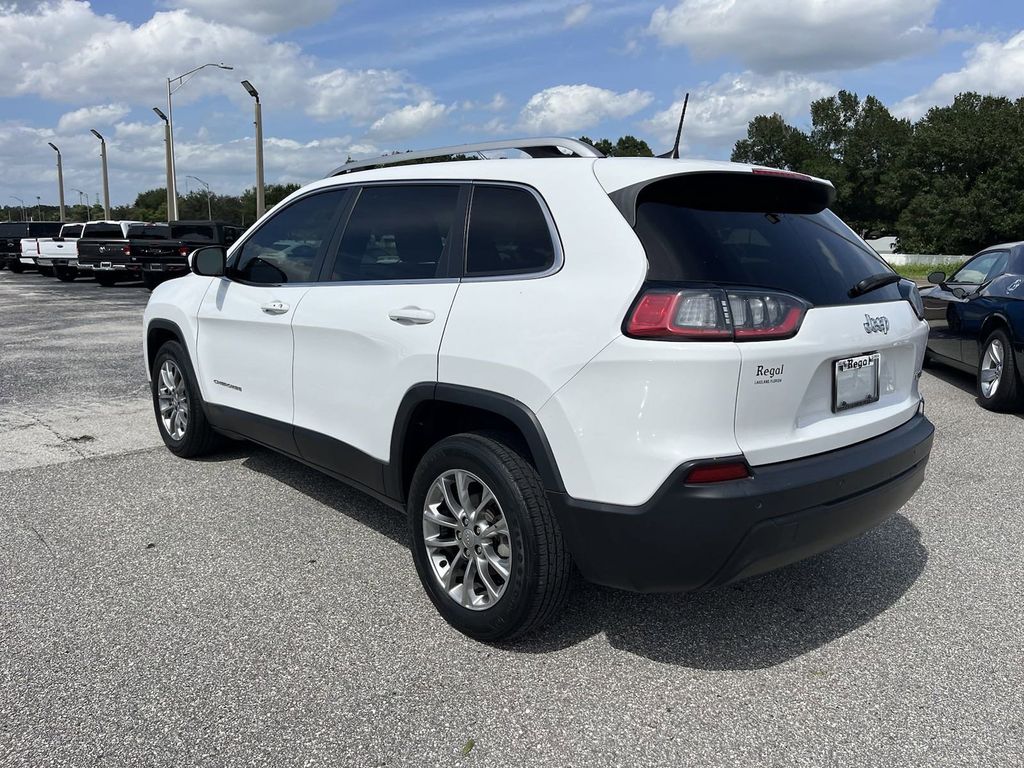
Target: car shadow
(962,380)
(753,624)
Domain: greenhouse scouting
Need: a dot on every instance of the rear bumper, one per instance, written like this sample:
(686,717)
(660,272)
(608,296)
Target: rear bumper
(109,266)
(688,537)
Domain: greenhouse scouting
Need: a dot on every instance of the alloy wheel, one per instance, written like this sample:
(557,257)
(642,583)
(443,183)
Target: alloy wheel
(467,540)
(992,368)
(172,399)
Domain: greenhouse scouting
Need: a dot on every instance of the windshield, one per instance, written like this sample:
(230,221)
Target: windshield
(149,232)
(195,233)
(102,232)
(812,255)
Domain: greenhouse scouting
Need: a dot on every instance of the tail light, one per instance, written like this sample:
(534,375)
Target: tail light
(127,250)
(183,251)
(717,472)
(715,314)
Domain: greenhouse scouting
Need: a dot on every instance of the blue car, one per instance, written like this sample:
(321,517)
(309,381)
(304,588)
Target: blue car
(976,320)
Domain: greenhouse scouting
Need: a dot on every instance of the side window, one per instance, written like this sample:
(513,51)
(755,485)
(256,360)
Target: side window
(508,233)
(981,269)
(397,233)
(284,249)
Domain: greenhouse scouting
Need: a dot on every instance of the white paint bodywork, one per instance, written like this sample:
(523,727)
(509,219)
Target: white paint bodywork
(620,414)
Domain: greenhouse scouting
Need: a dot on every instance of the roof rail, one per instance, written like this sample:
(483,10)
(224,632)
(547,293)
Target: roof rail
(544,147)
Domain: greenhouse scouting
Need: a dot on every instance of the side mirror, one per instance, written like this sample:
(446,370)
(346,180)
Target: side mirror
(209,261)
(937,278)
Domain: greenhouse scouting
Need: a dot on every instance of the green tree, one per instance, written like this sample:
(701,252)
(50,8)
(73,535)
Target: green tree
(626,146)
(773,142)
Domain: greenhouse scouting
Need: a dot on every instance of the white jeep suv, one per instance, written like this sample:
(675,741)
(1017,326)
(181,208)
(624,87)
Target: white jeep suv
(666,374)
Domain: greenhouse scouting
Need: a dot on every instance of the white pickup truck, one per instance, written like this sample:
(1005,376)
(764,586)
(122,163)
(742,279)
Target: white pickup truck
(54,254)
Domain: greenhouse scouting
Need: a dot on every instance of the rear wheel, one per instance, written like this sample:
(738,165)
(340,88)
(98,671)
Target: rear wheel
(15,266)
(106,279)
(46,271)
(485,543)
(65,274)
(998,384)
(178,405)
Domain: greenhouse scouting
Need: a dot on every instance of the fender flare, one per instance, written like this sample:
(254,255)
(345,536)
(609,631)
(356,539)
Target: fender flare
(507,407)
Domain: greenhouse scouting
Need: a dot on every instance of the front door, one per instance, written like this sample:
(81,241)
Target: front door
(245,342)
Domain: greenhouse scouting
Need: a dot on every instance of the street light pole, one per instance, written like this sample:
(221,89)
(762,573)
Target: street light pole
(168,161)
(39,208)
(106,184)
(15,197)
(209,205)
(60,179)
(260,201)
(172,211)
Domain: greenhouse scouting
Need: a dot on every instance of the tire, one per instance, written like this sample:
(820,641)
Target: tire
(196,437)
(46,271)
(999,386)
(15,266)
(66,274)
(106,279)
(538,563)
(151,280)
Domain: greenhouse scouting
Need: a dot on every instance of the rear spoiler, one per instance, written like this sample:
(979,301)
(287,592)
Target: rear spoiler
(759,189)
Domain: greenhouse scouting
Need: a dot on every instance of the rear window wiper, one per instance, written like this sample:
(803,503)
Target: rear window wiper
(873,282)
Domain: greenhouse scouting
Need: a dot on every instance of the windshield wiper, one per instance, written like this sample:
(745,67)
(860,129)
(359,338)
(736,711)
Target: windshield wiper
(872,282)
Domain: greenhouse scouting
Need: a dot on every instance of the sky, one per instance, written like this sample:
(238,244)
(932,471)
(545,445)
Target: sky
(340,78)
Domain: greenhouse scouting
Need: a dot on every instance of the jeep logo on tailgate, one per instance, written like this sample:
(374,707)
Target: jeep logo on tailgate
(878,324)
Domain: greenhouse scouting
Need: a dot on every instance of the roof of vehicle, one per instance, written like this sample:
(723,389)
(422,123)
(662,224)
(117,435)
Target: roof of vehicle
(118,221)
(1004,246)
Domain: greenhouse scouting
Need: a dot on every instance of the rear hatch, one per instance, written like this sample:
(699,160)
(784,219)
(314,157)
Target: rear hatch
(830,347)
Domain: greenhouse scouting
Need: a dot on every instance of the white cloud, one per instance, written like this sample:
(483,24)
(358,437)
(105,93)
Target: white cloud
(409,120)
(718,112)
(992,68)
(89,117)
(361,94)
(268,16)
(566,108)
(801,35)
(578,14)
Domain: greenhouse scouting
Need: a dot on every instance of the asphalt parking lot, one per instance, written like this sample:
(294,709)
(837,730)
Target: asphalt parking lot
(244,610)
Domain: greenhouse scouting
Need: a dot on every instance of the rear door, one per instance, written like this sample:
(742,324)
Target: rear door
(760,242)
(372,328)
(245,343)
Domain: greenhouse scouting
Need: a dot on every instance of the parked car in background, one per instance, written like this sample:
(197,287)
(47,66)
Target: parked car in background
(163,252)
(976,323)
(103,250)
(11,235)
(53,254)
(669,374)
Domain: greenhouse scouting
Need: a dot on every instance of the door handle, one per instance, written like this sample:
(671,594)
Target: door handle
(275,308)
(411,316)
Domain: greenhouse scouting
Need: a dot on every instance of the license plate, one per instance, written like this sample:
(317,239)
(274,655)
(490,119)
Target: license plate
(855,382)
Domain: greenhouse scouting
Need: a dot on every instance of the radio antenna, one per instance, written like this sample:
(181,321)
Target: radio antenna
(674,152)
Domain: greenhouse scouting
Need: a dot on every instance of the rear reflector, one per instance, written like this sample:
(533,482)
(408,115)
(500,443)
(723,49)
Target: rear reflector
(718,472)
(715,314)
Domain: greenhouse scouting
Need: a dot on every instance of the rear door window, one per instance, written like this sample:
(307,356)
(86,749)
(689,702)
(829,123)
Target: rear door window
(508,233)
(756,241)
(397,233)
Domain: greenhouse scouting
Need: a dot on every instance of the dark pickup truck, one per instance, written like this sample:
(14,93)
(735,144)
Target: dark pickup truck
(103,250)
(152,252)
(11,233)
(166,258)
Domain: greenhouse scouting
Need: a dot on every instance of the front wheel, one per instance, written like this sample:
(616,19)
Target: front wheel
(178,405)
(998,383)
(487,548)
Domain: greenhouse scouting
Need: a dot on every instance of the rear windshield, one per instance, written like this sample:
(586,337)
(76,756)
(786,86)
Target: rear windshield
(71,231)
(195,233)
(149,232)
(13,230)
(102,232)
(811,254)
